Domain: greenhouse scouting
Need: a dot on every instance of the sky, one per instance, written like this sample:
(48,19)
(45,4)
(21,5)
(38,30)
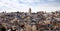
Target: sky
(24,5)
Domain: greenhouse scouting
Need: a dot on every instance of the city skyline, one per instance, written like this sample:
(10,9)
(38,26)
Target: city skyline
(24,5)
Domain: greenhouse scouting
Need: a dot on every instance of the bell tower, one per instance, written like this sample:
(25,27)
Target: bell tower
(29,11)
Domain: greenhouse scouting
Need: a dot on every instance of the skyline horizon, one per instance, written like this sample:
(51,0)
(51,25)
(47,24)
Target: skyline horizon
(27,11)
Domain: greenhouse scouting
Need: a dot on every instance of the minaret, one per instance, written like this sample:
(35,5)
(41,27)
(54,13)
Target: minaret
(29,11)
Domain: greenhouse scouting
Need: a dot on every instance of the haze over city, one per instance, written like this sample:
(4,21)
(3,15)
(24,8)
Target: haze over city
(24,5)
(29,15)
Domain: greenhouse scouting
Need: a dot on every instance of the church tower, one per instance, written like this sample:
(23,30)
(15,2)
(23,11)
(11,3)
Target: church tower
(29,11)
